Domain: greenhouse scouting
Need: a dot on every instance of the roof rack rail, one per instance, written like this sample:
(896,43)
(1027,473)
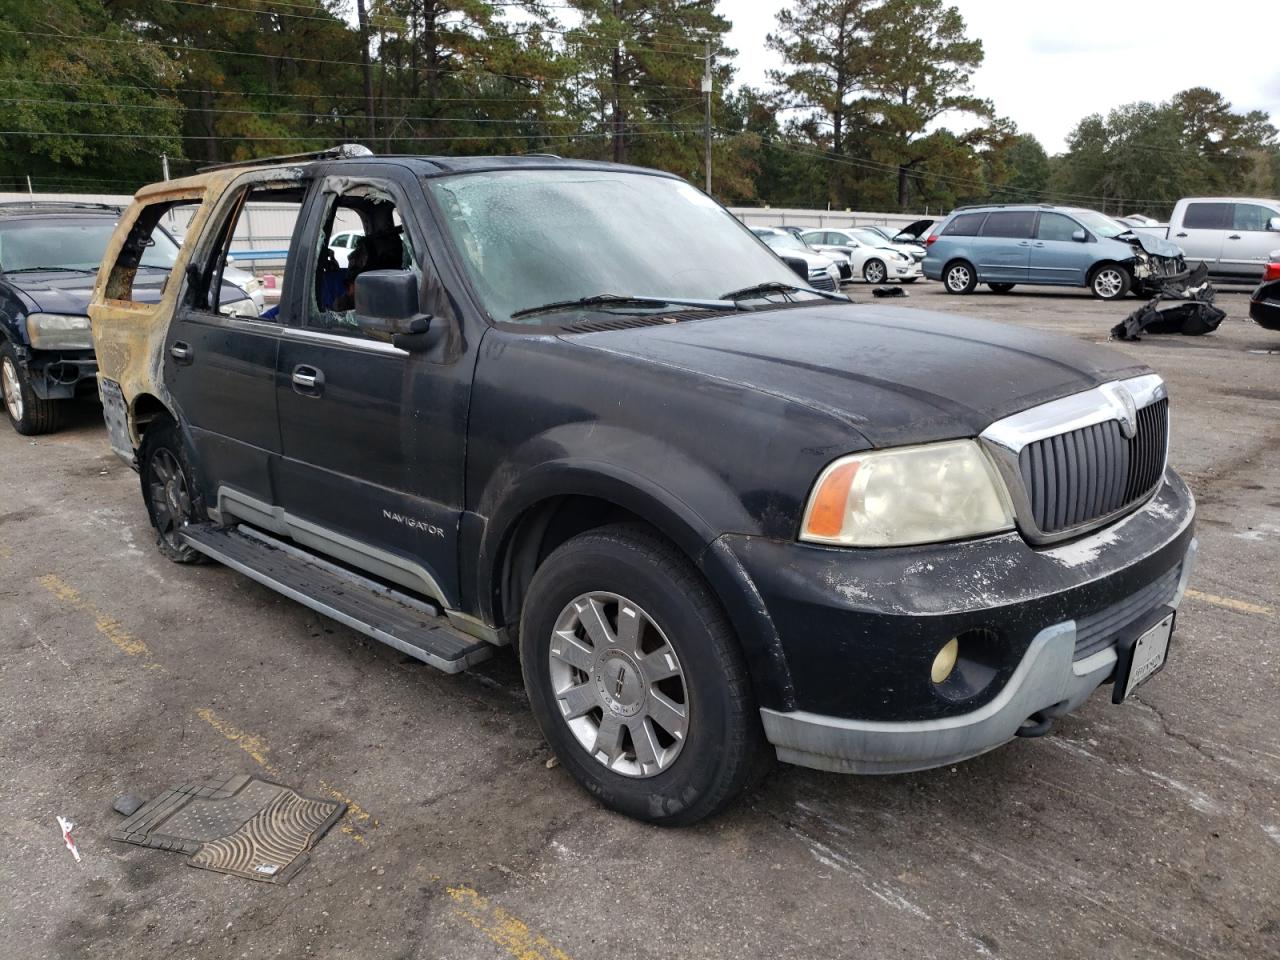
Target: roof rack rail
(548,156)
(988,206)
(341,152)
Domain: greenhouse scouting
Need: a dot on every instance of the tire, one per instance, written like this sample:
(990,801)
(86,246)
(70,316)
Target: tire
(29,414)
(959,277)
(874,271)
(1001,287)
(1109,281)
(169,490)
(671,781)
(908,279)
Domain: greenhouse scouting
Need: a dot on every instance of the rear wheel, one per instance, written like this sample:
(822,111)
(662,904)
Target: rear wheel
(959,277)
(169,490)
(636,680)
(1110,282)
(1001,287)
(873,271)
(29,414)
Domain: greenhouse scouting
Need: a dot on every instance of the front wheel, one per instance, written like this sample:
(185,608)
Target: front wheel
(959,277)
(636,680)
(169,490)
(29,414)
(1110,282)
(873,271)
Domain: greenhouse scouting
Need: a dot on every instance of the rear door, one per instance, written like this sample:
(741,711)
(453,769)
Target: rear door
(220,369)
(372,437)
(1203,232)
(1056,256)
(1003,246)
(1248,242)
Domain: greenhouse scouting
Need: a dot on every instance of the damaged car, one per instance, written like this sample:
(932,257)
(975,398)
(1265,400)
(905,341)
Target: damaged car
(577,410)
(1264,304)
(1007,245)
(49,256)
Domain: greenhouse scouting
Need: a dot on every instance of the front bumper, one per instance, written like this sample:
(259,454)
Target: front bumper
(899,270)
(859,629)
(61,374)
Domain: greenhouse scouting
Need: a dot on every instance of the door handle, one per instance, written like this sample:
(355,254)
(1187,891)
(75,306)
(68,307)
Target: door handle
(1179,234)
(308,380)
(1234,236)
(1038,244)
(181,352)
(1024,243)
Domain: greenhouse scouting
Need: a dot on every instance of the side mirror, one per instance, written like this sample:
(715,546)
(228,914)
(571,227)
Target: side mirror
(1273,224)
(387,303)
(1079,236)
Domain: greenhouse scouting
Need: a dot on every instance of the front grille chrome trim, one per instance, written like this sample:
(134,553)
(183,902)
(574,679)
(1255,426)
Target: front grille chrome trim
(1115,401)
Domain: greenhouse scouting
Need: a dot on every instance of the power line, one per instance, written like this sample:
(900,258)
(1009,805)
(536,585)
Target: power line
(281,113)
(691,97)
(272,56)
(675,128)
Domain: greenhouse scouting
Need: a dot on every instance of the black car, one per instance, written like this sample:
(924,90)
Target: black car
(1264,304)
(49,258)
(578,409)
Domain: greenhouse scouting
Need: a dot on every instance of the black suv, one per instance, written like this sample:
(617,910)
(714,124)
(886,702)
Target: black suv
(580,409)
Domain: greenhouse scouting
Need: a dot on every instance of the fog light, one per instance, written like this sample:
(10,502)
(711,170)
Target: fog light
(945,661)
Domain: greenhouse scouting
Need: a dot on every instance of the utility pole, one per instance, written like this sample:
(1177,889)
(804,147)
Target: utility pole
(31,194)
(366,68)
(164,165)
(706,126)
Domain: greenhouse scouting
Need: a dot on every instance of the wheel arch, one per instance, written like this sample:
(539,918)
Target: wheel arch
(570,500)
(144,410)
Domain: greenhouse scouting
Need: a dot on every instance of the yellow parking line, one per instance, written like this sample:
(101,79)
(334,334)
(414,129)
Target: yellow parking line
(257,748)
(108,626)
(506,930)
(1240,606)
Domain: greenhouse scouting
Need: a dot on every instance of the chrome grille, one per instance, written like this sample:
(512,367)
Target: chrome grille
(821,280)
(1078,462)
(1076,477)
(1099,630)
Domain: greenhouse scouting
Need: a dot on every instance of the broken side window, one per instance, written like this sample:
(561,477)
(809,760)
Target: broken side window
(142,270)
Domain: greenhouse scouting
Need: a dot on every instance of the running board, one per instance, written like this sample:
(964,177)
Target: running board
(412,626)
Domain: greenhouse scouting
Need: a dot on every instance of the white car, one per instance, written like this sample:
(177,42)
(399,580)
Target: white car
(820,269)
(247,282)
(870,256)
(343,243)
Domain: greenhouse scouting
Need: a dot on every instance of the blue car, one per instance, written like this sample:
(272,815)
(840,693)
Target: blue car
(1005,245)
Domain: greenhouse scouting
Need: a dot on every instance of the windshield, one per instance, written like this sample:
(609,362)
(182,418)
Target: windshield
(71,244)
(868,236)
(533,237)
(1100,224)
(783,241)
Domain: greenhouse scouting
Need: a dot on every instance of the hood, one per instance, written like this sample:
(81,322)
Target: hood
(1156,246)
(914,231)
(897,376)
(68,291)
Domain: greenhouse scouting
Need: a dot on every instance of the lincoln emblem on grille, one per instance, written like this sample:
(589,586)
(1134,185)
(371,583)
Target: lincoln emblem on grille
(1126,409)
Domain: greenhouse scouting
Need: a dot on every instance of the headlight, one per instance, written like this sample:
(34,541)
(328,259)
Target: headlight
(59,331)
(892,498)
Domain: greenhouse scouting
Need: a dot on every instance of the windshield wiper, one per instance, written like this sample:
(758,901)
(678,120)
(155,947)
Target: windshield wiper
(617,300)
(774,286)
(48,270)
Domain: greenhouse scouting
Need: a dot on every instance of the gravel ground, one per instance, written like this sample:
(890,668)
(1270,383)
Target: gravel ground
(1147,830)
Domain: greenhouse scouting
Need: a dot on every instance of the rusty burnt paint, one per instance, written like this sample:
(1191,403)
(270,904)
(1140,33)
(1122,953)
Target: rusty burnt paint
(128,336)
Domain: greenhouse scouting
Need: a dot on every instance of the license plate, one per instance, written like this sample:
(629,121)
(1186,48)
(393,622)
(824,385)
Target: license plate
(1148,654)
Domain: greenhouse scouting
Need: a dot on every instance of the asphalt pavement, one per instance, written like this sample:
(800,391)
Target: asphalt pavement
(1145,830)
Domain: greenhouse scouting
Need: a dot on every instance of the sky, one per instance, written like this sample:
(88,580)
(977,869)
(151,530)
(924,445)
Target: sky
(1050,63)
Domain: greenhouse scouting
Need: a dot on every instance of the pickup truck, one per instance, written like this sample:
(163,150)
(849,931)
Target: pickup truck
(579,411)
(1233,236)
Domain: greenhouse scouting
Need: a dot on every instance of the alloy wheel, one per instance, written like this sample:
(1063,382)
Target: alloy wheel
(12,390)
(875,272)
(958,279)
(170,498)
(619,685)
(1108,283)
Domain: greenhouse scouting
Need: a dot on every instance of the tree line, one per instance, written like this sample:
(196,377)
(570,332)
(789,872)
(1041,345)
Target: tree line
(872,107)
